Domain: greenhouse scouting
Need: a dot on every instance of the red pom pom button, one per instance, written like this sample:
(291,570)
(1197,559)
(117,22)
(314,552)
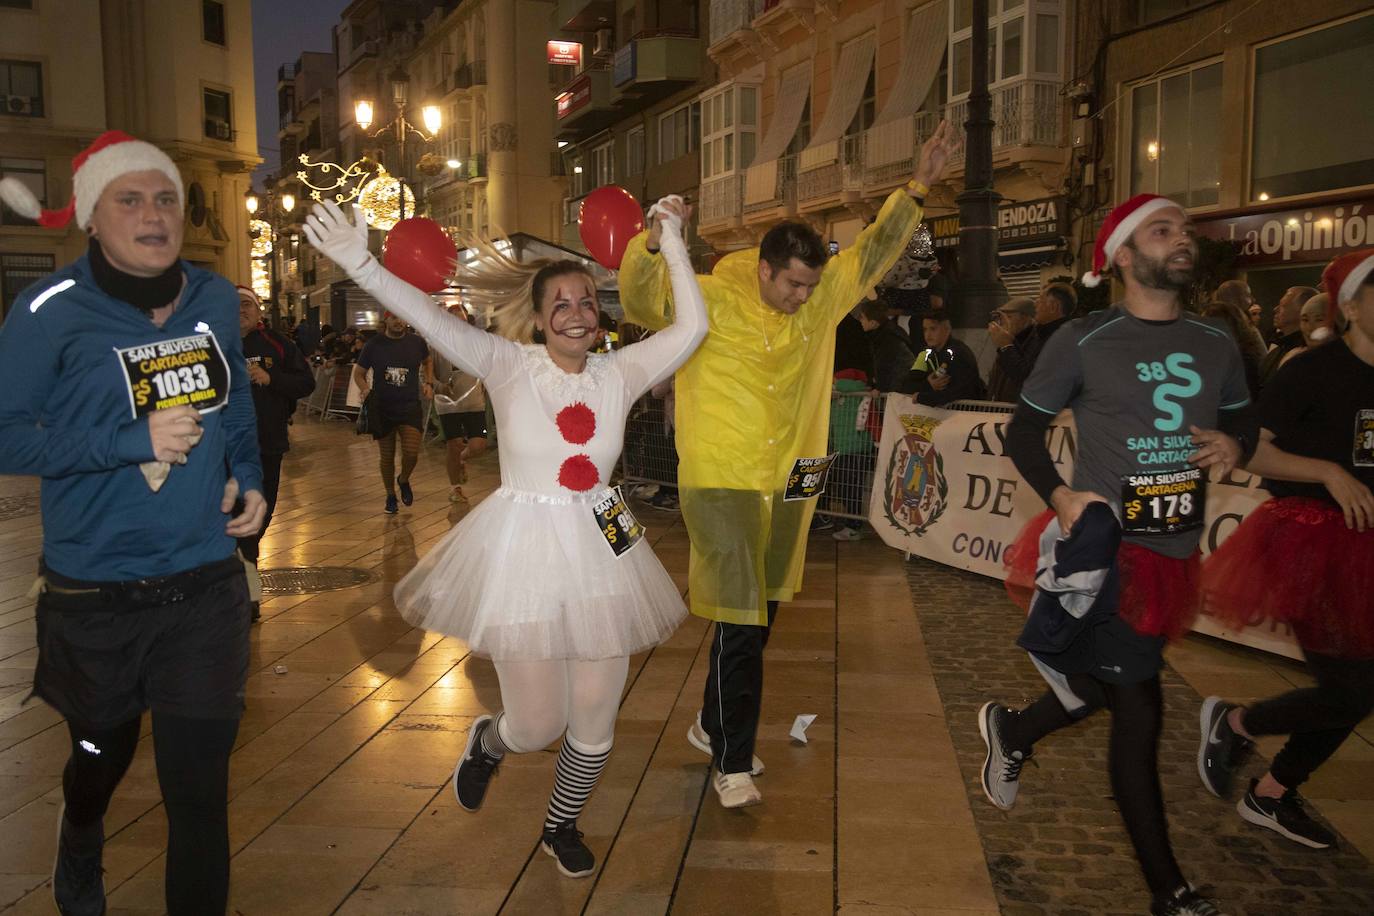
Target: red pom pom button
(577,423)
(578,473)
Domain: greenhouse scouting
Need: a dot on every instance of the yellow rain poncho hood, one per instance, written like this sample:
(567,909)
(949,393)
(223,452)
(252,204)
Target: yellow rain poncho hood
(753,399)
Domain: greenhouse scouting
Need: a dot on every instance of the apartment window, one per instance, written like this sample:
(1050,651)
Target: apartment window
(802,138)
(33,174)
(867,111)
(212,21)
(1023,39)
(1312,130)
(18,271)
(21,89)
(1175,134)
(634,151)
(601,160)
(729,130)
(218,114)
(679,132)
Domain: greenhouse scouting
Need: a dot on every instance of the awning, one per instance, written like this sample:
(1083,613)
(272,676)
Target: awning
(793,88)
(924,47)
(847,81)
(1032,258)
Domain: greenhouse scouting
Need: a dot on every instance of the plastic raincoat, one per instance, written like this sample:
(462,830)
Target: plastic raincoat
(753,400)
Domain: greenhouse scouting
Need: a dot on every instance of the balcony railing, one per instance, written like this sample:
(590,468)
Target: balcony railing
(845,173)
(286,72)
(1027,113)
(891,148)
(472,73)
(784,184)
(729,16)
(722,199)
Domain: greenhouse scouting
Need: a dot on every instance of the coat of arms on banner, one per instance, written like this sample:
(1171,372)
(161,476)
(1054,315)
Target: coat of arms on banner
(916,487)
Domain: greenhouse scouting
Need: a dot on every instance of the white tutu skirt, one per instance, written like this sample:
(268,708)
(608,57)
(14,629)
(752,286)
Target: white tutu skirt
(529,577)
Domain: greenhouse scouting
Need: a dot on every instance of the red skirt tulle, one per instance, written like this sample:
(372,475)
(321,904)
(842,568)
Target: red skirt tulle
(1159,594)
(1293,560)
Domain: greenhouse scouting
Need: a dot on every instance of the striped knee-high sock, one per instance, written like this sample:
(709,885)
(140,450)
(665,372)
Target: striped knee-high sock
(576,776)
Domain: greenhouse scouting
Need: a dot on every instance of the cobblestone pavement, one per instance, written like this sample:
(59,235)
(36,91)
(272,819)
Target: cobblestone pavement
(1062,849)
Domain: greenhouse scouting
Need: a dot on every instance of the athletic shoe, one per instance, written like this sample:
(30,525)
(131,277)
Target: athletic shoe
(475,767)
(1220,750)
(1002,765)
(845,533)
(390,505)
(564,843)
(736,790)
(821,523)
(697,737)
(664,499)
(1286,817)
(78,883)
(257,611)
(456,495)
(407,494)
(1186,902)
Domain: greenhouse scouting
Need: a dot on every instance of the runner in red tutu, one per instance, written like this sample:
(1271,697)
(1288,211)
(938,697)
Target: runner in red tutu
(1316,454)
(1158,398)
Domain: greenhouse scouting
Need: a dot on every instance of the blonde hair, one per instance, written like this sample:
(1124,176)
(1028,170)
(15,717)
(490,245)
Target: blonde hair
(508,291)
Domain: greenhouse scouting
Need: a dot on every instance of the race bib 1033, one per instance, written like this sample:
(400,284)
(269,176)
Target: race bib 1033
(190,371)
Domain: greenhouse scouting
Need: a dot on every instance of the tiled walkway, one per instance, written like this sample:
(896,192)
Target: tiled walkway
(339,783)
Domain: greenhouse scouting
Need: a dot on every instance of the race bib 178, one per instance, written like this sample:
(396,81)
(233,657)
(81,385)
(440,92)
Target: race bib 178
(1163,503)
(190,371)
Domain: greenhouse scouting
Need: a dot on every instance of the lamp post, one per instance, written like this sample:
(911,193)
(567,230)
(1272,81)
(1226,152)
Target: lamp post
(364,111)
(278,203)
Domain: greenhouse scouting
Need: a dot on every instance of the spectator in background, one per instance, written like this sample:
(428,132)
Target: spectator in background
(852,441)
(1316,325)
(1055,306)
(852,350)
(1012,330)
(1287,329)
(1231,303)
(893,357)
(946,369)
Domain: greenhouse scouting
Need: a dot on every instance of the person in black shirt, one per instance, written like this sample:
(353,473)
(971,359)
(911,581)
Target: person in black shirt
(892,355)
(1012,330)
(1316,455)
(1287,332)
(280,378)
(402,374)
(1054,307)
(947,369)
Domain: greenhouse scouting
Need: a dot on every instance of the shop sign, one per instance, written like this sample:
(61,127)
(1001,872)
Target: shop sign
(1314,233)
(565,53)
(576,96)
(1019,223)
(623,69)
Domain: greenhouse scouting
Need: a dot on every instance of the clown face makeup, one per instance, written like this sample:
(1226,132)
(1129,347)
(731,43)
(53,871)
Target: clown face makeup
(567,316)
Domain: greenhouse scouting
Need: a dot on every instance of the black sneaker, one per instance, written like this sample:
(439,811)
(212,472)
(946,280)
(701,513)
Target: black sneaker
(1185,902)
(1286,817)
(78,882)
(822,523)
(1002,765)
(257,611)
(1220,750)
(475,768)
(407,494)
(564,843)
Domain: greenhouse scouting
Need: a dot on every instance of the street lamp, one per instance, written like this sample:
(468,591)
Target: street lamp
(272,204)
(430,116)
(362,113)
(251,201)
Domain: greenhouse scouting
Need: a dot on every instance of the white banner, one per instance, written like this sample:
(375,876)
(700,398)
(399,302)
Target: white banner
(944,489)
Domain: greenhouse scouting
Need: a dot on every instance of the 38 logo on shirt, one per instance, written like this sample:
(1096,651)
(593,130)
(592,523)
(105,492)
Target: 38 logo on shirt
(1181,382)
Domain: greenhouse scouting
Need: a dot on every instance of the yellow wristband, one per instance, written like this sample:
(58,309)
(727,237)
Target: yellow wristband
(920,189)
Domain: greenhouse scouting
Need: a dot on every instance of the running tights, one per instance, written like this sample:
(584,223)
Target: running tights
(1132,761)
(192,758)
(410,454)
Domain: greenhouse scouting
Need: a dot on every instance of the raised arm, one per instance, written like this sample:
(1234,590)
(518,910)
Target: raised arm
(345,244)
(648,362)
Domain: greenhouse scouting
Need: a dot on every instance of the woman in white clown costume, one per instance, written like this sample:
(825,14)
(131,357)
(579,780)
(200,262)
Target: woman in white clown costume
(546,576)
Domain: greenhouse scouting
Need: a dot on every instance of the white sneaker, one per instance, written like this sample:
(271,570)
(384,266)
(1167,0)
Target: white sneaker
(697,738)
(736,790)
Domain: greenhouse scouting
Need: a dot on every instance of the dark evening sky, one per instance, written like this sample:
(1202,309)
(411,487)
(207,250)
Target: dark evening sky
(282,29)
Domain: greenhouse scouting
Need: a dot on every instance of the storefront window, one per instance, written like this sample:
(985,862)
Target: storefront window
(1312,129)
(1175,136)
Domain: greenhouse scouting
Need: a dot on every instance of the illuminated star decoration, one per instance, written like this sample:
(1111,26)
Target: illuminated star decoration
(344,182)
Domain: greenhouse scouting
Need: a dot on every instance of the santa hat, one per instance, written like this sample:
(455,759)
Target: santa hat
(246,293)
(1117,228)
(114,153)
(1343,276)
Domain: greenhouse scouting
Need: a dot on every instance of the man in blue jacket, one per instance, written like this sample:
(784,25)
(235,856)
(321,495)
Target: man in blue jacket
(127,392)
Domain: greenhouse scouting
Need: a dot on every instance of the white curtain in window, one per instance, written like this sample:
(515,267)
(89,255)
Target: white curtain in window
(926,37)
(793,87)
(847,83)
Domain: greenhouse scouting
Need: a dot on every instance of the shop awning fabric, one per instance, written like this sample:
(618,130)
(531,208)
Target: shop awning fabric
(847,83)
(922,51)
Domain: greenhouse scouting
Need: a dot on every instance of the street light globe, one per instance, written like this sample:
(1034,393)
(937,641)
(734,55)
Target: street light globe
(362,113)
(251,202)
(432,118)
(454,163)
(288,202)
(384,200)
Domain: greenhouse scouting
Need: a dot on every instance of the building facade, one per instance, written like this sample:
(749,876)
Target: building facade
(1259,125)
(176,74)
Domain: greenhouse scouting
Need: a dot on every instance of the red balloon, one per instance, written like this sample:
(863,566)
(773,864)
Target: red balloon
(609,217)
(420,252)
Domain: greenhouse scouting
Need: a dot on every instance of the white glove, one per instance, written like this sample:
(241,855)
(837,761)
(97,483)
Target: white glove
(672,222)
(334,237)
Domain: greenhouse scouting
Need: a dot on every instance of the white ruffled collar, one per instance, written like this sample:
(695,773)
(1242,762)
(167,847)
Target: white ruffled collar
(564,386)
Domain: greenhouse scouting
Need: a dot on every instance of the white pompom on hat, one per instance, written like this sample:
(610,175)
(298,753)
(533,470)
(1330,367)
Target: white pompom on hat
(1117,228)
(114,153)
(1342,278)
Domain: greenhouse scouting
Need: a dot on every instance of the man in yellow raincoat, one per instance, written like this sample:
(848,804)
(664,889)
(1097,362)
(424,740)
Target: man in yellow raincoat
(752,416)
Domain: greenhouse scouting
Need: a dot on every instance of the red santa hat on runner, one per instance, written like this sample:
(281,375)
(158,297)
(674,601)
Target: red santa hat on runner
(1343,277)
(1117,228)
(114,153)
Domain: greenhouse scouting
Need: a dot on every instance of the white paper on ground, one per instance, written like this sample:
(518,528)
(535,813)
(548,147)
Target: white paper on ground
(799,727)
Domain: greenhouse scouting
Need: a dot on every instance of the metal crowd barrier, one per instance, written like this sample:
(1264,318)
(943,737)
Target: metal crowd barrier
(315,404)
